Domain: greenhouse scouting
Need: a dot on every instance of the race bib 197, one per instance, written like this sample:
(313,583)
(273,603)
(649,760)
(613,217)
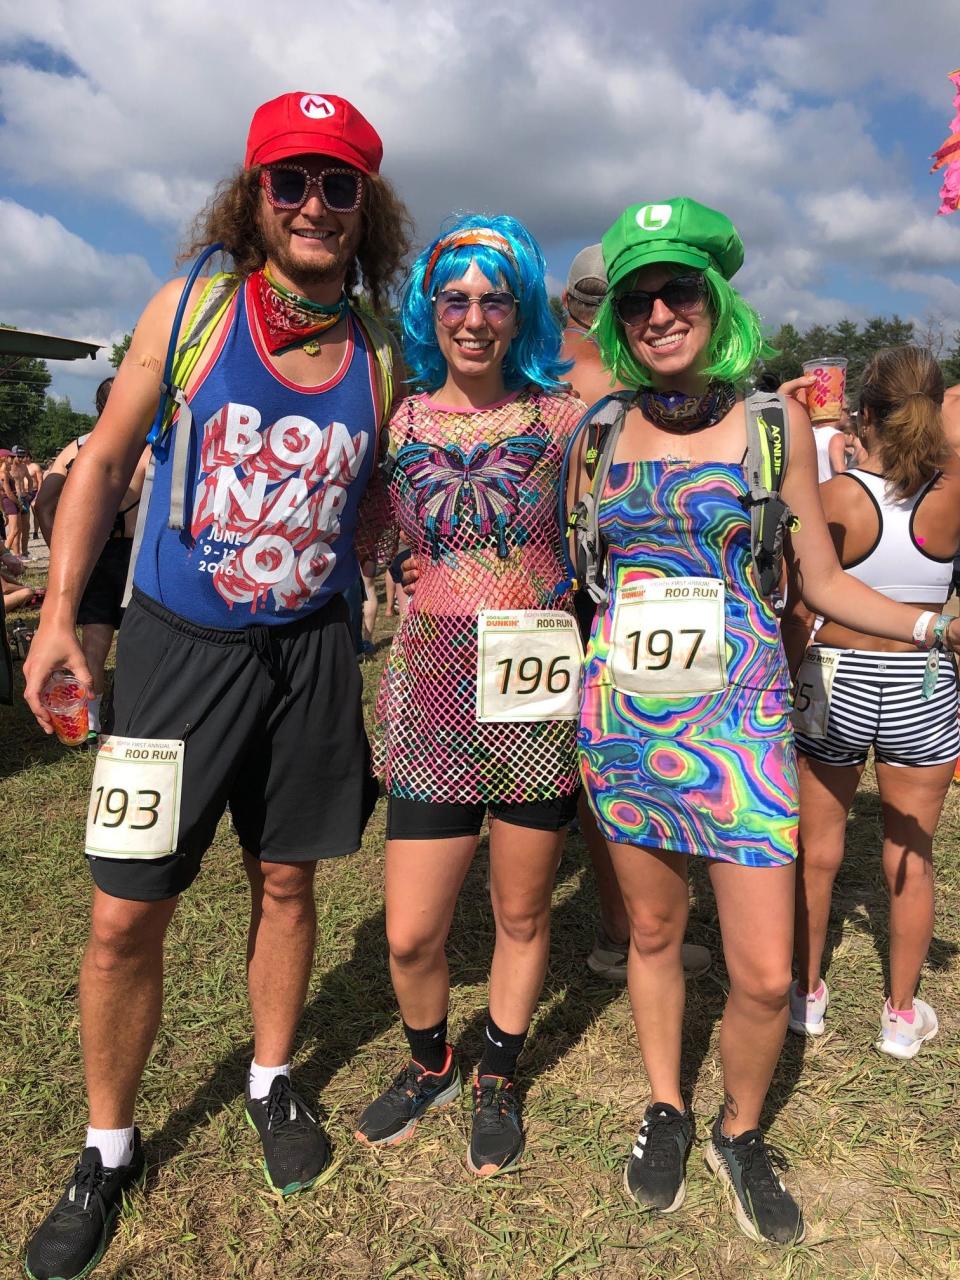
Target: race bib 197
(528,665)
(812,689)
(134,808)
(668,637)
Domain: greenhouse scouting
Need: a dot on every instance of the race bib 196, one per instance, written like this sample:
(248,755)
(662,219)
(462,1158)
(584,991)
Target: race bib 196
(668,637)
(811,691)
(134,808)
(528,665)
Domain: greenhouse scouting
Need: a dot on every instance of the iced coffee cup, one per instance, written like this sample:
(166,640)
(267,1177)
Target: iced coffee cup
(65,701)
(825,396)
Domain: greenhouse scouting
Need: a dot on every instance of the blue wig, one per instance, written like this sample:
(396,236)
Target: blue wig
(534,354)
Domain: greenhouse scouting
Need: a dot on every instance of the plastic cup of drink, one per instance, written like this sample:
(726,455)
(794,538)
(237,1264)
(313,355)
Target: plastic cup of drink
(65,701)
(825,397)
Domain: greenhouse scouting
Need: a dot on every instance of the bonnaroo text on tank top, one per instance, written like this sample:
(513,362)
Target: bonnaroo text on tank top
(275,473)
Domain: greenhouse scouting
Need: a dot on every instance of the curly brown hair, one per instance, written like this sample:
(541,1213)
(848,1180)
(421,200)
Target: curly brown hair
(230,217)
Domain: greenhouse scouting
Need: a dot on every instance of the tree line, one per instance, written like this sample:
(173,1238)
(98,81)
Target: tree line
(43,424)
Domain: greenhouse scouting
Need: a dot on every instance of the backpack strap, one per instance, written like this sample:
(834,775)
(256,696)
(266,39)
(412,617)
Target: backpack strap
(768,454)
(603,423)
(385,362)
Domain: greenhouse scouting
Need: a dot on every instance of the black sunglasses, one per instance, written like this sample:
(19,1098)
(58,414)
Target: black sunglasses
(680,294)
(288,186)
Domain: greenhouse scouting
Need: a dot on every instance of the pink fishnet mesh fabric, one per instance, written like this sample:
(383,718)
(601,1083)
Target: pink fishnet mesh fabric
(475,497)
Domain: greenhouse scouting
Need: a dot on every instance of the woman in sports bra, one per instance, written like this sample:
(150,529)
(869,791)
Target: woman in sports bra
(895,521)
(476,712)
(685,736)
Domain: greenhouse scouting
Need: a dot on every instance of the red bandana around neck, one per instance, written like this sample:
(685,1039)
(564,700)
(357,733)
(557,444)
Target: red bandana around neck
(287,320)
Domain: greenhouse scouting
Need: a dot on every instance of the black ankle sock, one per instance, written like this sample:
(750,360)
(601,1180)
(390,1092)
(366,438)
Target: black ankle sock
(428,1047)
(500,1051)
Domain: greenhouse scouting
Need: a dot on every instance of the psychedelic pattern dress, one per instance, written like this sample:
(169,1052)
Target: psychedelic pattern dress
(711,774)
(474,494)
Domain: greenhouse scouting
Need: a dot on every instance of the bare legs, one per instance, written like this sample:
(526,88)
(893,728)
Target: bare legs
(423,879)
(912,800)
(121,981)
(755,906)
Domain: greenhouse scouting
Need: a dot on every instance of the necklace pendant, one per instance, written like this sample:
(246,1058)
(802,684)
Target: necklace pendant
(312,348)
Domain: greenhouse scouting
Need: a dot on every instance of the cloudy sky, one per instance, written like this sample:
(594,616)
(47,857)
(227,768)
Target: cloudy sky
(810,125)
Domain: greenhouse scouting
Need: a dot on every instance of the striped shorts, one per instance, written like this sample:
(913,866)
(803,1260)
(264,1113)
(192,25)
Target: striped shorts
(876,702)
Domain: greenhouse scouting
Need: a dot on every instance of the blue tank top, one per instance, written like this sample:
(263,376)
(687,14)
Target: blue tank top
(275,474)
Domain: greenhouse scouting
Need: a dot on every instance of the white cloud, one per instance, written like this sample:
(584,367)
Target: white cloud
(888,228)
(557,114)
(53,281)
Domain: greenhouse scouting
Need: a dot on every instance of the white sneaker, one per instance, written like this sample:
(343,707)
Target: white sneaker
(904,1039)
(806,1012)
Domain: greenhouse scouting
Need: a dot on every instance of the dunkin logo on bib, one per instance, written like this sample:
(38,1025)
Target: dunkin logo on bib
(316,107)
(654,217)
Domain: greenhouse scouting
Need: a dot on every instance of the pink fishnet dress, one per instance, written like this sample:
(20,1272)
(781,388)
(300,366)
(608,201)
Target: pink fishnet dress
(474,494)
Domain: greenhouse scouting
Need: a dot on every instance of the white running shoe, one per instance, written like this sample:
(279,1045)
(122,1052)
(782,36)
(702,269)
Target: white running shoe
(806,1012)
(904,1039)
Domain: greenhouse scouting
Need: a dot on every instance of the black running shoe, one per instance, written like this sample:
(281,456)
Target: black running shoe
(655,1174)
(496,1143)
(748,1166)
(397,1112)
(295,1148)
(71,1239)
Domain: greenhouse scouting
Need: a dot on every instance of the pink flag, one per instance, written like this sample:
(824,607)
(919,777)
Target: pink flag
(947,157)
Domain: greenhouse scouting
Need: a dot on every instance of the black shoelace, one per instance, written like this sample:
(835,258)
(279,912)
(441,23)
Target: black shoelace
(760,1162)
(86,1187)
(491,1102)
(660,1134)
(284,1106)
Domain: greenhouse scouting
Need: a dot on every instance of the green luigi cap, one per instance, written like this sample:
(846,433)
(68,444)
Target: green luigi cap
(678,230)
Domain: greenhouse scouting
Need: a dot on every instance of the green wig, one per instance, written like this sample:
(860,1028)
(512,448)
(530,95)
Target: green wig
(736,343)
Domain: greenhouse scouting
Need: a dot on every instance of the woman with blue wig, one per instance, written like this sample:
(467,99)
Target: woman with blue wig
(476,713)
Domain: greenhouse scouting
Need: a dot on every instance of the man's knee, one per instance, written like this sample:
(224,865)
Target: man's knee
(288,886)
(122,931)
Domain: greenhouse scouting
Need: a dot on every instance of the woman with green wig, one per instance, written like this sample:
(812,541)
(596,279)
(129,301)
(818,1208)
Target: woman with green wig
(685,739)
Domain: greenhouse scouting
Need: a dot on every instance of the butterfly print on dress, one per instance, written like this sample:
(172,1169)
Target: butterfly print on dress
(479,487)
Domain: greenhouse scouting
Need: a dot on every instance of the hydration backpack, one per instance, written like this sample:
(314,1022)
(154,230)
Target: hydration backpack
(765,464)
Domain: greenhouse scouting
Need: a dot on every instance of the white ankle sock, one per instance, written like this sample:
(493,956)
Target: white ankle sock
(93,711)
(115,1145)
(261,1078)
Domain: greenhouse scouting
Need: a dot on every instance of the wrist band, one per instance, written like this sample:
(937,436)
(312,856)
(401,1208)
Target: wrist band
(920,627)
(931,670)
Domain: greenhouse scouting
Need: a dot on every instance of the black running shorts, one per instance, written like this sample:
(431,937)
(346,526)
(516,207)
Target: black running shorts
(102,601)
(272,722)
(422,820)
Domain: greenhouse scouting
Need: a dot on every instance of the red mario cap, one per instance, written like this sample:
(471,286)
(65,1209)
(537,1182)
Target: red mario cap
(297,124)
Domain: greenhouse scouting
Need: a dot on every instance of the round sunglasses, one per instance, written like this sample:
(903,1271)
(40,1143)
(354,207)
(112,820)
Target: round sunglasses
(288,186)
(682,294)
(451,307)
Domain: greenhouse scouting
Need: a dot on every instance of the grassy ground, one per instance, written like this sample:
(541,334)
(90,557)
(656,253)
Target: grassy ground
(874,1143)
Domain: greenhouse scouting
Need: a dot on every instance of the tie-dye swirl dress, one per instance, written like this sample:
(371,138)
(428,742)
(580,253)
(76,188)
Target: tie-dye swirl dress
(712,774)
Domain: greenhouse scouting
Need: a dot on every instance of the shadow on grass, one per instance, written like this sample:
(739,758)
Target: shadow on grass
(360,983)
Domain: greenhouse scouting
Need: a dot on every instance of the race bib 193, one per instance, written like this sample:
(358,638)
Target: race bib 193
(812,689)
(528,665)
(668,637)
(134,808)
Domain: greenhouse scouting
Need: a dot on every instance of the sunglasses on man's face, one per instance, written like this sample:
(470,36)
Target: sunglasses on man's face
(451,307)
(288,186)
(681,294)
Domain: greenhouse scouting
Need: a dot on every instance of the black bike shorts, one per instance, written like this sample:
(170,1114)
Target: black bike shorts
(423,820)
(102,601)
(272,724)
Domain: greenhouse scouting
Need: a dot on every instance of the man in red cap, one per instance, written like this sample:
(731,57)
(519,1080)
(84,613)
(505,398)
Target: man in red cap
(236,682)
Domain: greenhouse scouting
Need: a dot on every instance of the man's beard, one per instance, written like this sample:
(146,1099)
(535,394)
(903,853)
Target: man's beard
(306,275)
